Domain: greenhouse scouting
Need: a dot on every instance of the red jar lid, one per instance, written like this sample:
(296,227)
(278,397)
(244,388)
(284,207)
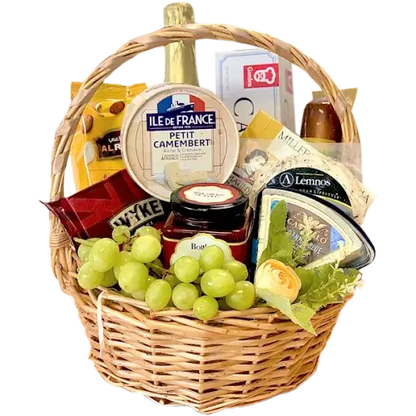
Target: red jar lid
(209,202)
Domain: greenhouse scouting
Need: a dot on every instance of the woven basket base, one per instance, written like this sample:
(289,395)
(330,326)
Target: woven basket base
(235,360)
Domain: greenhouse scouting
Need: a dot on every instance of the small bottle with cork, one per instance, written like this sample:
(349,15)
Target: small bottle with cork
(322,128)
(320,123)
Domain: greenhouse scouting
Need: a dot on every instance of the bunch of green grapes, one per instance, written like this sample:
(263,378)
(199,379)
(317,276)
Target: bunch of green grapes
(203,285)
(103,264)
(211,283)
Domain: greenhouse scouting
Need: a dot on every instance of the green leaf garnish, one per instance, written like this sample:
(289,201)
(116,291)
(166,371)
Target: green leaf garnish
(298,313)
(278,219)
(320,286)
(330,285)
(280,243)
(307,277)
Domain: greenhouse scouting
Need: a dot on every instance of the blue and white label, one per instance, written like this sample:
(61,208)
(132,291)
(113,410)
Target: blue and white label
(181,112)
(183,121)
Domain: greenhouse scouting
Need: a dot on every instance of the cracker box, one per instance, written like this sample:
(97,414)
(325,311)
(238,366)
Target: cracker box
(252,80)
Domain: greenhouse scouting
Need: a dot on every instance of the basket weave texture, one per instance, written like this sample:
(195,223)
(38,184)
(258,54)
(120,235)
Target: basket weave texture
(235,359)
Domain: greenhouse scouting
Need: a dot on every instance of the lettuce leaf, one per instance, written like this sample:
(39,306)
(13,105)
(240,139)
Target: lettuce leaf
(280,243)
(307,277)
(278,219)
(298,313)
(330,285)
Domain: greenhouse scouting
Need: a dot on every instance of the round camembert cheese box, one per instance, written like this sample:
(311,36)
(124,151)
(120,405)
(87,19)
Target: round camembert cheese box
(175,135)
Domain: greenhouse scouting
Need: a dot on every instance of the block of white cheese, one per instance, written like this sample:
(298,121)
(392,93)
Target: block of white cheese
(175,177)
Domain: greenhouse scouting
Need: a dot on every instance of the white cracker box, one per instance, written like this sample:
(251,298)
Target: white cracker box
(252,80)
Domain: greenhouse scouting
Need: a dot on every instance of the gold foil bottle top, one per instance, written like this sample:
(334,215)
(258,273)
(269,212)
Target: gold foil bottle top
(180,61)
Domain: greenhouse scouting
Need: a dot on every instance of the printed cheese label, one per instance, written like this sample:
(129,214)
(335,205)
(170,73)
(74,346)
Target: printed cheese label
(316,182)
(326,238)
(179,136)
(181,131)
(181,112)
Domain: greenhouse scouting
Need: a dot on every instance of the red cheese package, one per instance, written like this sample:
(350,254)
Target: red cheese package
(98,209)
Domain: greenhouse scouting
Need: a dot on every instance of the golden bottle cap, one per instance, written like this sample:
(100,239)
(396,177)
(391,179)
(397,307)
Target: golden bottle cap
(180,61)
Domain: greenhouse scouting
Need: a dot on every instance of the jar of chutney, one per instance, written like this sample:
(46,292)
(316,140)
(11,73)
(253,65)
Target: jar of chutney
(205,214)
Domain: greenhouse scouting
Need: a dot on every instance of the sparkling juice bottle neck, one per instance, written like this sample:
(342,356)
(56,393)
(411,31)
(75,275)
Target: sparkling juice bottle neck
(180,60)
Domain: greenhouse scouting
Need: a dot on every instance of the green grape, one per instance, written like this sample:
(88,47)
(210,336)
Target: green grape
(88,278)
(146,230)
(158,295)
(146,249)
(158,270)
(222,303)
(109,278)
(212,257)
(205,307)
(187,269)
(172,280)
(141,294)
(93,240)
(217,283)
(126,294)
(104,255)
(121,234)
(124,258)
(170,303)
(237,269)
(201,293)
(242,297)
(133,277)
(184,295)
(84,250)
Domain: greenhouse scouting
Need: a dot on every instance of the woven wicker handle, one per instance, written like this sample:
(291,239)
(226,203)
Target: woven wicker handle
(163,37)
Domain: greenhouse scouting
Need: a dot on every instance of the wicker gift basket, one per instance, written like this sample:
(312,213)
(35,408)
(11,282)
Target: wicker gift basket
(235,359)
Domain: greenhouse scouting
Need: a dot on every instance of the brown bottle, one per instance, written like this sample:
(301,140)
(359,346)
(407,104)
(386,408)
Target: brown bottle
(320,123)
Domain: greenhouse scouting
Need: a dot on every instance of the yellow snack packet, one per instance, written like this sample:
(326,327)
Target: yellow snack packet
(96,147)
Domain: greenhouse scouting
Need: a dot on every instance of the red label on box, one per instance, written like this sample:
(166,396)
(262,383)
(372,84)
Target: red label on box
(261,76)
(289,81)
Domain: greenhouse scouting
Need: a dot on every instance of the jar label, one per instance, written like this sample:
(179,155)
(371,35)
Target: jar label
(209,194)
(174,249)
